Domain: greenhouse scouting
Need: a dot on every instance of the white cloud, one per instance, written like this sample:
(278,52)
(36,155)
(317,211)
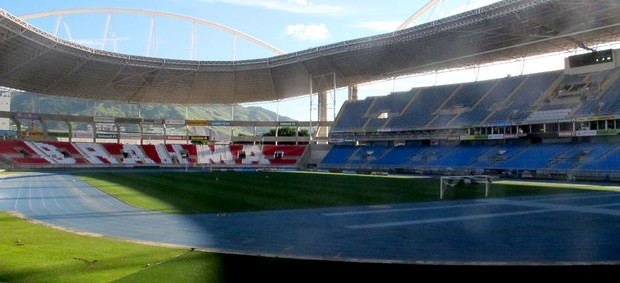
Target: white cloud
(382,26)
(312,32)
(293,6)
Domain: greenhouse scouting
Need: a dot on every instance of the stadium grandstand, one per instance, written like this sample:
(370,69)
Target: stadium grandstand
(555,124)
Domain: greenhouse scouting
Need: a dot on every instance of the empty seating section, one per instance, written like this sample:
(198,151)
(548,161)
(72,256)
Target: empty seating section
(374,124)
(604,157)
(534,87)
(9,147)
(397,157)
(191,149)
(88,153)
(357,159)
(365,155)
(595,102)
(287,154)
(488,158)
(95,153)
(338,155)
(548,115)
(252,154)
(468,94)
(605,101)
(424,104)
(68,150)
(492,101)
(483,108)
(237,152)
(22,152)
(519,105)
(214,154)
(429,155)
(556,106)
(50,153)
(353,118)
(462,101)
(571,158)
(609,102)
(16,147)
(114,149)
(533,157)
(163,154)
(600,77)
(189,152)
(287,150)
(588,107)
(572,79)
(133,154)
(460,156)
(593,151)
(528,99)
(151,152)
(392,103)
(441,120)
(65,146)
(384,107)
(177,153)
(517,156)
(30,160)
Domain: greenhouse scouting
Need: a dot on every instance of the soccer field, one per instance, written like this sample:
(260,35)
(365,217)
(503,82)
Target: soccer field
(217,192)
(212,192)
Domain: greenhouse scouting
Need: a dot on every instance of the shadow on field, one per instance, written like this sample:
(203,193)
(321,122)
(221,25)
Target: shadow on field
(238,268)
(458,233)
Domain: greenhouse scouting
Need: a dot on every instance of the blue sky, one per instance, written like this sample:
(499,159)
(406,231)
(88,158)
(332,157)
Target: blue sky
(287,25)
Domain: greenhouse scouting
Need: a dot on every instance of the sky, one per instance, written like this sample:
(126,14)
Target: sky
(286,25)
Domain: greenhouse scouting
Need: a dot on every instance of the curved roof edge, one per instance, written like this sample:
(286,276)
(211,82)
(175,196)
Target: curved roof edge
(504,30)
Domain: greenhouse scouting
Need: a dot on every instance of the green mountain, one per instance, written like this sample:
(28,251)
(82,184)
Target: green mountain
(30,102)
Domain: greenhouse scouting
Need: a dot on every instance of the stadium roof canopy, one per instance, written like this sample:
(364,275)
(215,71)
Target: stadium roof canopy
(33,60)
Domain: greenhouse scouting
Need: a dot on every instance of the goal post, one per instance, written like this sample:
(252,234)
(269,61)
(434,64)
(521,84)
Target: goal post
(452,181)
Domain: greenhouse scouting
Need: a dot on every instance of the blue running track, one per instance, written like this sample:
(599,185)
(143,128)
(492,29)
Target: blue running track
(542,230)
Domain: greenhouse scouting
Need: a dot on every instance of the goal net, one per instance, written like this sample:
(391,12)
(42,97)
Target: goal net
(453,181)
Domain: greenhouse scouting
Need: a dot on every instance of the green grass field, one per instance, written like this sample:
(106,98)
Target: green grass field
(212,192)
(36,253)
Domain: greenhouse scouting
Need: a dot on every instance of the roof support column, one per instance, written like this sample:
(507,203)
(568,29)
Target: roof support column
(17,123)
(70,129)
(323,84)
(322,131)
(352,93)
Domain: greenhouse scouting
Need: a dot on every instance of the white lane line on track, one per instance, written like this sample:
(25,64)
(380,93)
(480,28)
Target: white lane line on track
(393,210)
(444,219)
(73,199)
(541,208)
(488,201)
(32,189)
(42,199)
(576,197)
(575,208)
(19,192)
(55,196)
(30,197)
